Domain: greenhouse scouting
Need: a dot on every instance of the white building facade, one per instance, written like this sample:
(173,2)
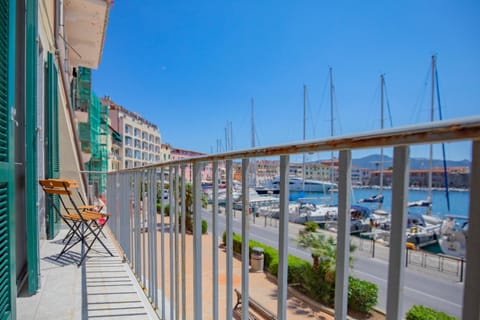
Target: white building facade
(141,140)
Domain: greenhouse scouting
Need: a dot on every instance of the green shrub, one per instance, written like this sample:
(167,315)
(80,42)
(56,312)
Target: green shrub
(424,313)
(273,266)
(296,269)
(204,226)
(270,255)
(311,226)
(166,209)
(237,243)
(362,295)
(314,284)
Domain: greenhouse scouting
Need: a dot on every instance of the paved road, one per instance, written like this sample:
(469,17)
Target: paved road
(420,287)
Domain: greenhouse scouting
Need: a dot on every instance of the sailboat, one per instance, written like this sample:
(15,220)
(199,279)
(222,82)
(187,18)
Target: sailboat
(427,229)
(427,203)
(453,236)
(378,198)
(301,184)
(454,229)
(266,187)
(380,218)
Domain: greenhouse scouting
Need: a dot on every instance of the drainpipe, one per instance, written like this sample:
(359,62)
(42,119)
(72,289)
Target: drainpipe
(57,28)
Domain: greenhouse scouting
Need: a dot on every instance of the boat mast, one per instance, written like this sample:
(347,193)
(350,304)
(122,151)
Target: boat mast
(304,131)
(332,172)
(382,87)
(432,118)
(254,163)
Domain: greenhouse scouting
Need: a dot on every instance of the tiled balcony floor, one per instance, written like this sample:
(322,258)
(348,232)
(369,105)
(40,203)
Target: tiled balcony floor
(102,288)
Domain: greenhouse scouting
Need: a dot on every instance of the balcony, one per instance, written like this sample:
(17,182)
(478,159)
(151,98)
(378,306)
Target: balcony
(192,277)
(103,287)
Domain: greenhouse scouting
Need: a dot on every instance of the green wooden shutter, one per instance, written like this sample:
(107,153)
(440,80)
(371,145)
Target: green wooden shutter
(31,184)
(7,221)
(52,152)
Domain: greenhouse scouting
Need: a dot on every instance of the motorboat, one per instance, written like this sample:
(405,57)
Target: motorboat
(257,202)
(419,233)
(261,190)
(315,213)
(373,199)
(297,184)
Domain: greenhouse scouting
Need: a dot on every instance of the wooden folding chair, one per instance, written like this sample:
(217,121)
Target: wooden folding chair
(73,185)
(81,221)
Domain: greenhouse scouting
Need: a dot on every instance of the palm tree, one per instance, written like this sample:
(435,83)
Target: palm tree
(324,252)
(189,205)
(313,242)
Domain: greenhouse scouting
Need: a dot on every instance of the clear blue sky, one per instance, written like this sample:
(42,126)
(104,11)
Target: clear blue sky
(191,66)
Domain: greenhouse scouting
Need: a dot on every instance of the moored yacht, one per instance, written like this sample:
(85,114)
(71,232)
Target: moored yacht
(308,185)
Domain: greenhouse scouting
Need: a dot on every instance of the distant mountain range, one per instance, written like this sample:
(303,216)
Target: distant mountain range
(372,161)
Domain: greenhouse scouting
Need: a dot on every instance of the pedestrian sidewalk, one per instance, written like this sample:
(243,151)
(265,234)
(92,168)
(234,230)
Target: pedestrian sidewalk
(102,288)
(261,288)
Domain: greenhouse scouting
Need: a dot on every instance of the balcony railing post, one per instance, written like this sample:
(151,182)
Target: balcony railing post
(148,215)
(137,222)
(283,240)
(245,237)
(171,218)
(126,216)
(215,239)
(343,234)
(153,195)
(162,239)
(197,240)
(229,237)
(397,238)
(184,213)
(131,220)
(150,232)
(143,219)
(176,244)
(471,291)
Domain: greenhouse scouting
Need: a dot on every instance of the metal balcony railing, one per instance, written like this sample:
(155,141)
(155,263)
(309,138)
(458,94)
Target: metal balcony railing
(132,197)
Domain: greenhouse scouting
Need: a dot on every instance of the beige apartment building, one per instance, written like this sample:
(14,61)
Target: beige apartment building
(141,140)
(267,169)
(165,152)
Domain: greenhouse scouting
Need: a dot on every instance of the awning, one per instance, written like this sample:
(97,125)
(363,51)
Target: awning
(85,27)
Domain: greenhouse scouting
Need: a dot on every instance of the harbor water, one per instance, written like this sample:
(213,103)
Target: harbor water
(459,200)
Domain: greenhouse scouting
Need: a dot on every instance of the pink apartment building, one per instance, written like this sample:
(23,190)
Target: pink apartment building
(176,154)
